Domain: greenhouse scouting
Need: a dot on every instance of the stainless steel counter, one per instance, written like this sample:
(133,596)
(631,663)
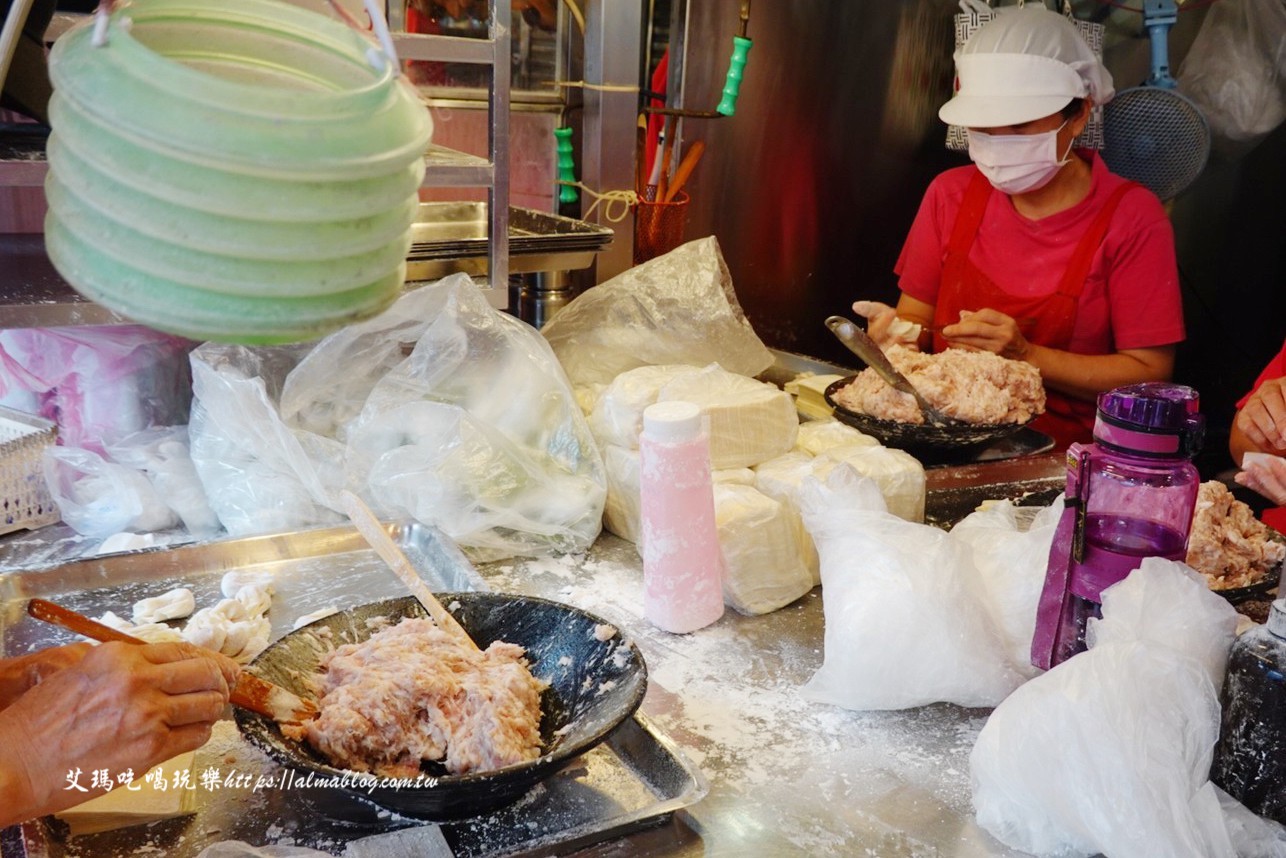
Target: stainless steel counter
(786,776)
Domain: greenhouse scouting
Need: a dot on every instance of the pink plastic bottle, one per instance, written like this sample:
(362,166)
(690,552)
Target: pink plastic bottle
(682,565)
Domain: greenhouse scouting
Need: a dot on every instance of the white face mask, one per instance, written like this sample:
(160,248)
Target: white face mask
(1017,163)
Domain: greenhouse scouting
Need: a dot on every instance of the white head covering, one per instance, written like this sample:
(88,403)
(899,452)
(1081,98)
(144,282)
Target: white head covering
(1026,63)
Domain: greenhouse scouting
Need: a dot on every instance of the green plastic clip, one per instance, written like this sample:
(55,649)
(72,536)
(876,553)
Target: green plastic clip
(566,166)
(736,68)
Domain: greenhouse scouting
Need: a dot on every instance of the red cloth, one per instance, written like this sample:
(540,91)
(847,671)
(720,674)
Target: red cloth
(1273,516)
(1276,369)
(1130,298)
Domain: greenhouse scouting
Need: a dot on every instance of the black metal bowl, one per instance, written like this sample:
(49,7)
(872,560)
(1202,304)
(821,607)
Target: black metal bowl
(594,685)
(922,440)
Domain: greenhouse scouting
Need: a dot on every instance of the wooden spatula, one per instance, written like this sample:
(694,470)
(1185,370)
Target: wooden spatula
(250,692)
(370,528)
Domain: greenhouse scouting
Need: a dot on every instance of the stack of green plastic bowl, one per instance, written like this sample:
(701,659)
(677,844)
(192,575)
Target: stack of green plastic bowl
(233,170)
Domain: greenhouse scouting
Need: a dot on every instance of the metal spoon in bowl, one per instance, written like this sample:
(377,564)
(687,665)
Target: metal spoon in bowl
(864,347)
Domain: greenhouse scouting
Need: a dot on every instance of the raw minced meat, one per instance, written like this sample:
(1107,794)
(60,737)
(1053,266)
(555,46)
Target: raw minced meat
(413,692)
(1228,544)
(976,387)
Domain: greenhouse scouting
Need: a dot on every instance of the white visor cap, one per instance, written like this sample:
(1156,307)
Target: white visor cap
(1026,63)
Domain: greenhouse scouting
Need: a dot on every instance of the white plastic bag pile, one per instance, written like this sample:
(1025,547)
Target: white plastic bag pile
(441,409)
(908,616)
(144,482)
(1110,751)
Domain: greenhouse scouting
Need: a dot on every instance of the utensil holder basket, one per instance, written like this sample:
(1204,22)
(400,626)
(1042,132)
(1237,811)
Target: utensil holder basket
(25,502)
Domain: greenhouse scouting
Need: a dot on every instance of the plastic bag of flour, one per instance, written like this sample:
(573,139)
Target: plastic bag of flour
(679,308)
(906,623)
(440,409)
(1110,751)
(1012,560)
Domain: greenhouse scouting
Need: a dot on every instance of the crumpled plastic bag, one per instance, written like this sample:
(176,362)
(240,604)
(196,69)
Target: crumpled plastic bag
(1110,751)
(145,482)
(259,474)
(241,849)
(162,453)
(906,622)
(1235,70)
(1012,560)
(98,498)
(679,308)
(96,381)
(441,409)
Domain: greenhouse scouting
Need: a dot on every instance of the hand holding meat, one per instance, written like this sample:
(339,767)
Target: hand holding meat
(989,331)
(1266,474)
(885,327)
(122,707)
(1263,418)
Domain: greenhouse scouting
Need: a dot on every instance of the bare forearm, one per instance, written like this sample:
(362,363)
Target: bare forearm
(1086,376)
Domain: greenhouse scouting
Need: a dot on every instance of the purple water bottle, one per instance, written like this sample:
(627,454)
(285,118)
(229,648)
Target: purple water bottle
(1130,494)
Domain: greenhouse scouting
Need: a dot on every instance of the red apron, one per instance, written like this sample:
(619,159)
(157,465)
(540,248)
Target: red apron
(1047,320)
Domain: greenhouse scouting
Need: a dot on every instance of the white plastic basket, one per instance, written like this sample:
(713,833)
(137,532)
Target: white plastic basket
(25,501)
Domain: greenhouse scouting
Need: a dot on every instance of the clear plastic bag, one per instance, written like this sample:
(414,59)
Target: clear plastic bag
(99,498)
(906,621)
(1110,751)
(96,382)
(1235,71)
(441,409)
(679,308)
(1011,559)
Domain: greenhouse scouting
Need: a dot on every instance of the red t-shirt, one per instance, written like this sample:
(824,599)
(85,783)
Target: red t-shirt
(1273,516)
(1131,298)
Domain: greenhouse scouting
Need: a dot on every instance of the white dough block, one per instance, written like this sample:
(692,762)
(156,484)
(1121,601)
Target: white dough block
(899,475)
(763,564)
(780,479)
(817,436)
(622,513)
(739,476)
(749,421)
(617,416)
(810,394)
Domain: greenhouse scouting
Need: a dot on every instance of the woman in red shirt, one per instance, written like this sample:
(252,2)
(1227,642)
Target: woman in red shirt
(1260,428)
(1037,251)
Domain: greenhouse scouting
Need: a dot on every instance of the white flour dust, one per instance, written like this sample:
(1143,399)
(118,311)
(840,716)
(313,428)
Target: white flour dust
(729,695)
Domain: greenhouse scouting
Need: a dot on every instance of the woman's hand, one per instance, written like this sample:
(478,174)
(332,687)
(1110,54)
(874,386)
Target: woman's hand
(1266,474)
(885,327)
(989,331)
(1263,418)
(123,707)
(19,675)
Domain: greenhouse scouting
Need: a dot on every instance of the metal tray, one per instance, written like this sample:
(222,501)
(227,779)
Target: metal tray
(452,236)
(636,779)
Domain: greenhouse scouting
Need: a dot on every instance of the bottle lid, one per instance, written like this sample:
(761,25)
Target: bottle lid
(672,422)
(1277,618)
(1152,418)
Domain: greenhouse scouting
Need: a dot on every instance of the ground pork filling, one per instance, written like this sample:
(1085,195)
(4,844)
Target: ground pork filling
(1228,544)
(976,387)
(412,692)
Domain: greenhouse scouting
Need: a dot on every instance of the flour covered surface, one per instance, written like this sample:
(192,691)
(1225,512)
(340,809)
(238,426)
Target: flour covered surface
(976,387)
(413,693)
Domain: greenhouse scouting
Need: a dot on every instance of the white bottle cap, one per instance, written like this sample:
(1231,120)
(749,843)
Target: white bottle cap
(672,422)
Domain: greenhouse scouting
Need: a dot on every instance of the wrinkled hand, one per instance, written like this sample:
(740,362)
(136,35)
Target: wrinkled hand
(882,325)
(19,675)
(1265,474)
(1263,418)
(989,331)
(122,707)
